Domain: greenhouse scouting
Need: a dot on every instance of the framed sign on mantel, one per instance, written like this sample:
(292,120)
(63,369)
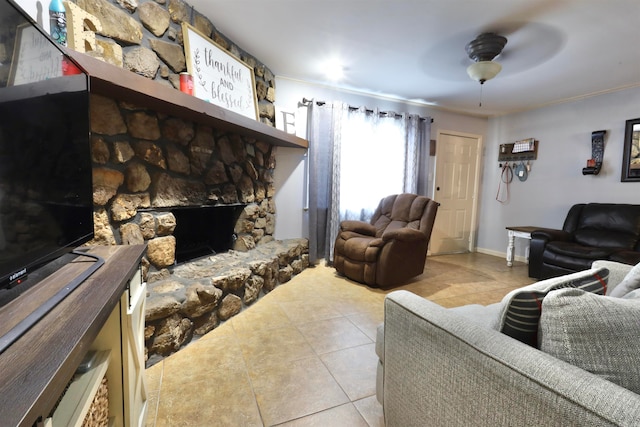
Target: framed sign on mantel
(218,76)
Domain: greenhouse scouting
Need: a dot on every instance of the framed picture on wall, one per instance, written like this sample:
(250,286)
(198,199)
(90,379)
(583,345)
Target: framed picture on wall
(218,76)
(631,153)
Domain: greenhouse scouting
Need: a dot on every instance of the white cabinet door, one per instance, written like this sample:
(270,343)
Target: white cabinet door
(133,364)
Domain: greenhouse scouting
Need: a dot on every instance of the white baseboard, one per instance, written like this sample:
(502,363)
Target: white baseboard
(500,254)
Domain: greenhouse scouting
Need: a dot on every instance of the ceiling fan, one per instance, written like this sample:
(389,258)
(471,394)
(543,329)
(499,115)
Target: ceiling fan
(511,47)
(482,51)
(530,43)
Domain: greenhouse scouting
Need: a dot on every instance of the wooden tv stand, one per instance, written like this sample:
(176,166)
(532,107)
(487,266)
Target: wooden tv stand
(104,314)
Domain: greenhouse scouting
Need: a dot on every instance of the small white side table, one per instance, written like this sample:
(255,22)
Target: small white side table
(521,232)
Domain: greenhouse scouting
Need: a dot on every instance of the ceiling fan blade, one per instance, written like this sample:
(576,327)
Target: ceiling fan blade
(446,59)
(515,21)
(533,45)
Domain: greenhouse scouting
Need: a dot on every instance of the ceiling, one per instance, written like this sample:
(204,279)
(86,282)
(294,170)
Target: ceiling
(557,50)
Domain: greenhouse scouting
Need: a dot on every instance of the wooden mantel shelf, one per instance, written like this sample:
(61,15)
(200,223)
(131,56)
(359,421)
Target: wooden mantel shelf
(118,83)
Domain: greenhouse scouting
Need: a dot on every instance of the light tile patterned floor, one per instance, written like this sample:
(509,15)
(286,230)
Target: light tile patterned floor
(303,355)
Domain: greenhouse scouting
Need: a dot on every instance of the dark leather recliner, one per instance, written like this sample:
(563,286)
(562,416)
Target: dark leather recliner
(392,247)
(593,231)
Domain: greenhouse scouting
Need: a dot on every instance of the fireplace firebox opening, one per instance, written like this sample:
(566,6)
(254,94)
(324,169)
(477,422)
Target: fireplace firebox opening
(204,230)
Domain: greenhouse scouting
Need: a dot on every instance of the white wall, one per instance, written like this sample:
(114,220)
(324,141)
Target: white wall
(38,10)
(290,169)
(289,181)
(556,182)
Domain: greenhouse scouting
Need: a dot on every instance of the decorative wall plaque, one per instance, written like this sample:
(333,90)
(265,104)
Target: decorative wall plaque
(218,76)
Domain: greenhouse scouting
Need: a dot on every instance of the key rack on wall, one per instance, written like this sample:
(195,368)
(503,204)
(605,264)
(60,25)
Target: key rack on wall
(526,149)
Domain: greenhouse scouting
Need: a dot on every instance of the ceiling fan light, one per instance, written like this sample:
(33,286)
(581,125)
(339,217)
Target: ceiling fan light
(482,71)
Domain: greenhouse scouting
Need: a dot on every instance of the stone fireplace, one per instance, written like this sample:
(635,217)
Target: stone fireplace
(158,153)
(148,167)
(201,198)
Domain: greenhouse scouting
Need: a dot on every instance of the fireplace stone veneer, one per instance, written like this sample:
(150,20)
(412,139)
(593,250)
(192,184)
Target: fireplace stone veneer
(148,165)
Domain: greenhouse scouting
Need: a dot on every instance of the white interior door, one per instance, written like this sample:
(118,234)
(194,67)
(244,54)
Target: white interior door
(456,187)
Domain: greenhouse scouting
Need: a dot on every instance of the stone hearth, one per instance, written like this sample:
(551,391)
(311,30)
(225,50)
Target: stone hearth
(200,294)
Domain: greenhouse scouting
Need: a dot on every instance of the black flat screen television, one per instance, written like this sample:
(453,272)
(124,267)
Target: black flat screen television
(46,202)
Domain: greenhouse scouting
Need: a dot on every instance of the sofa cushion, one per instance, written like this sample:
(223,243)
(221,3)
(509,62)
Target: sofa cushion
(599,334)
(605,238)
(479,314)
(559,254)
(633,294)
(630,282)
(626,257)
(520,312)
(580,251)
(608,225)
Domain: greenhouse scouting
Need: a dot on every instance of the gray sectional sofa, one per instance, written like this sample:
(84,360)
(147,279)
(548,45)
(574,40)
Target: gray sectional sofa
(472,365)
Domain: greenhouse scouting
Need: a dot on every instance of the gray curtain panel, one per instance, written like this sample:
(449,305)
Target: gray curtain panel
(327,125)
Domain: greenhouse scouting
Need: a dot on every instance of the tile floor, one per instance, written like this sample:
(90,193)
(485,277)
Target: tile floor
(303,355)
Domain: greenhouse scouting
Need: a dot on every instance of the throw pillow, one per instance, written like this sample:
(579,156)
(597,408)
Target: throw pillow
(635,294)
(521,307)
(630,282)
(599,334)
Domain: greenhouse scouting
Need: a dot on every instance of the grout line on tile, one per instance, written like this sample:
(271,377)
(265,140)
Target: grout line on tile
(159,395)
(319,412)
(334,377)
(245,364)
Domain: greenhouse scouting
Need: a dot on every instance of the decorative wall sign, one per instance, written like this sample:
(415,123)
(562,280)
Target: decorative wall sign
(218,76)
(35,58)
(526,149)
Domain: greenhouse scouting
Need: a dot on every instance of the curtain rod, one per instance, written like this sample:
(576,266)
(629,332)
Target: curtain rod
(368,110)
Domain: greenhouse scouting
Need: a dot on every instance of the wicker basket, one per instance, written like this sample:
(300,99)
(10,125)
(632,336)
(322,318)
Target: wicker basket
(98,415)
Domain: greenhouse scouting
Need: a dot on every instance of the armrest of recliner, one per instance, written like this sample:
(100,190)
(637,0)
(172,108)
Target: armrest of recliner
(360,227)
(539,239)
(549,234)
(403,234)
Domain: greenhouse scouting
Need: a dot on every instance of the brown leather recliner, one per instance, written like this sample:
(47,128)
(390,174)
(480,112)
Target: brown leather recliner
(392,247)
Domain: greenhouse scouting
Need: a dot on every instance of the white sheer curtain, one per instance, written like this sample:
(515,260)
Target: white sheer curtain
(357,157)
